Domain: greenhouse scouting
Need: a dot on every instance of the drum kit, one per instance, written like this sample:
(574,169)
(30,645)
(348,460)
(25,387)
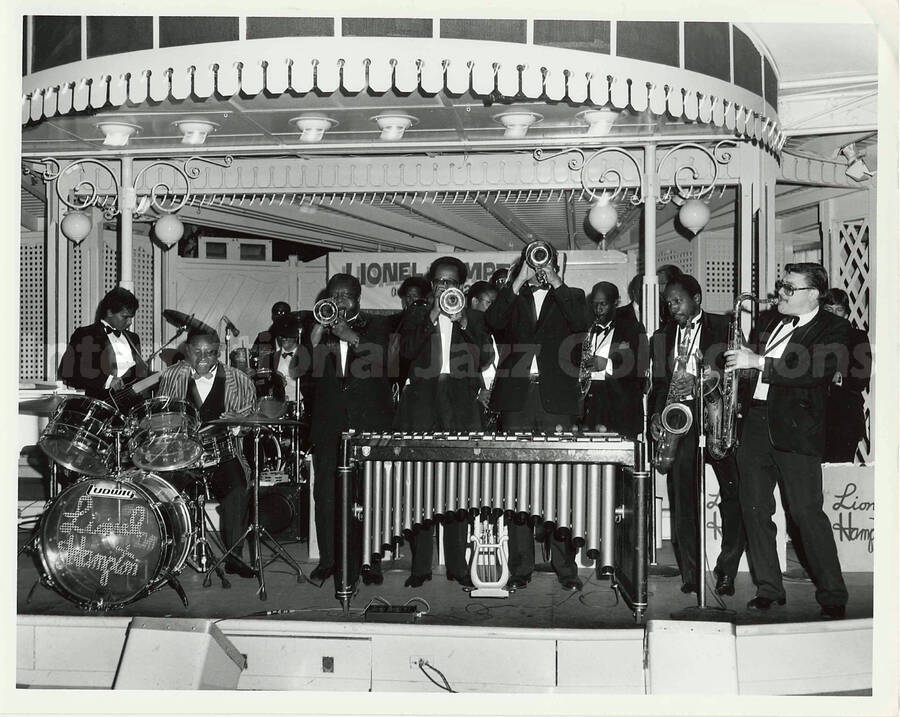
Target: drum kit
(122,530)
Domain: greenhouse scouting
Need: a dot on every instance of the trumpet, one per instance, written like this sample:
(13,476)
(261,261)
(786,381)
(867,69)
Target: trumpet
(452,301)
(327,313)
(539,255)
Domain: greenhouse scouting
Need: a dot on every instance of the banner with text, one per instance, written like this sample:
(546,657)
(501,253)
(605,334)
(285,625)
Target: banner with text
(382,273)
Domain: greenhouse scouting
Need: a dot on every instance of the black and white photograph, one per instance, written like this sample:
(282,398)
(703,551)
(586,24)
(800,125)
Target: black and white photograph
(453,358)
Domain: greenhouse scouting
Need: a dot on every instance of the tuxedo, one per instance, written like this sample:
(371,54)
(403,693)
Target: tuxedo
(352,395)
(543,401)
(89,360)
(616,401)
(436,401)
(682,484)
(783,442)
(845,419)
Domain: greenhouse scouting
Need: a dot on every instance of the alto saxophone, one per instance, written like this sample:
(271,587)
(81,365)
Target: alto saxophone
(720,396)
(676,418)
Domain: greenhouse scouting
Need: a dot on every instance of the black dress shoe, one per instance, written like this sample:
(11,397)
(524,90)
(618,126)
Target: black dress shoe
(834,612)
(514,584)
(372,577)
(688,588)
(724,584)
(321,573)
(416,581)
(243,571)
(763,603)
(571,584)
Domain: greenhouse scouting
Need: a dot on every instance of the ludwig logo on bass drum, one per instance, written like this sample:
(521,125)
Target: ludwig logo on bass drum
(106,492)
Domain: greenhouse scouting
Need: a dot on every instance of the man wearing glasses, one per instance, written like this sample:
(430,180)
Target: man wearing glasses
(216,390)
(793,358)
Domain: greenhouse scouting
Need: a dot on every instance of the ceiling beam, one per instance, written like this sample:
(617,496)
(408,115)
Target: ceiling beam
(502,214)
(398,222)
(786,202)
(446,218)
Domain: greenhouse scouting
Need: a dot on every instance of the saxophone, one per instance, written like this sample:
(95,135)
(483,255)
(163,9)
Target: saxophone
(676,418)
(720,396)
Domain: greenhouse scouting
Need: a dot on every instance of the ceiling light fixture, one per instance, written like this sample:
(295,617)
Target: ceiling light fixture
(117,134)
(599,122)
(517,123)
(76,225)
(313,127)
(194,131)
(856,167)
(393,126)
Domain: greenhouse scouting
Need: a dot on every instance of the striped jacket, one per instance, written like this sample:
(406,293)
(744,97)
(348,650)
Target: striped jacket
(240,394)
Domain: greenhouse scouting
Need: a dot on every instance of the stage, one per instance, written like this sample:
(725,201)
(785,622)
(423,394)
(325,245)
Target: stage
(537,640)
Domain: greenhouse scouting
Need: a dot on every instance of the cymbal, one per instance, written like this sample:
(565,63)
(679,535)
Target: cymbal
(182,321)
(45,407)
(255,419)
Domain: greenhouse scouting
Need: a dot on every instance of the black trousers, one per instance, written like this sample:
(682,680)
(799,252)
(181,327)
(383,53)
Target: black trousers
(533,417)
(326,494)
(228,483)
(683,489)
(800,476)
(444,404)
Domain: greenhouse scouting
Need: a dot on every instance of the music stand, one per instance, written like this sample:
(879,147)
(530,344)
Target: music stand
(261,536)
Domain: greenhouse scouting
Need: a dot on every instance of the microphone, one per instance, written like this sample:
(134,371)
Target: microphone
(230,326)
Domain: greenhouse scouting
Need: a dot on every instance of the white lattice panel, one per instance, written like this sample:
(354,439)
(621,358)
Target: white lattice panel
(32,299)
(716,271)
(142,273)
(79,313)
(852,248)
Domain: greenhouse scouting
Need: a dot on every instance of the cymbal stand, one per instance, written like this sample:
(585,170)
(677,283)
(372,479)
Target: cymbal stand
(202,551)
(261,536)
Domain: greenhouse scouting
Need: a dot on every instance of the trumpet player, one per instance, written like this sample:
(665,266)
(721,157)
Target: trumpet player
(352,391)
(539,320)
(447,347)
(677,380)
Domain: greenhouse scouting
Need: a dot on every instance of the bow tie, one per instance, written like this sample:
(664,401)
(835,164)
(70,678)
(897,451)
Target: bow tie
(111,330)
(792,320)
(600,330)
(287,354)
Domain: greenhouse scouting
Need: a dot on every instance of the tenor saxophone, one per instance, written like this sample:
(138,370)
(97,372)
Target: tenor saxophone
(676,418)
(720,395)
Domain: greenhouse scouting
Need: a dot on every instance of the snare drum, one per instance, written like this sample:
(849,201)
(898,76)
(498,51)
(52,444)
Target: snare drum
(104,543)
(80,436)
(270,394)
(165,434)
(217,447)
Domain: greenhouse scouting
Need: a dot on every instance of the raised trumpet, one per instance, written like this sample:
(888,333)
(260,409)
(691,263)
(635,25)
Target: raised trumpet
(452,301)
(539,255)
(327,313)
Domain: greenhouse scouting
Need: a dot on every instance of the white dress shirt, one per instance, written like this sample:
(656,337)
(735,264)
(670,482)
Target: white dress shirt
(205,383)
(600,346)
(445,326)
(284,366)
(775,346)
(694,342)
(122,349)
(538,295)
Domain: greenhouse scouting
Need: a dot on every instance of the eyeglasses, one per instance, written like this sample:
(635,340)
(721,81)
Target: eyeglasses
(789,289)
(446,282)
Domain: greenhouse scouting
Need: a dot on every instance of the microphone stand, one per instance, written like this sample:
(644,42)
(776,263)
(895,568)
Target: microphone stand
(702,611)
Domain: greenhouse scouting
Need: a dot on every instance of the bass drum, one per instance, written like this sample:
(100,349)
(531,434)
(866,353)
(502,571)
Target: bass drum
(104,543)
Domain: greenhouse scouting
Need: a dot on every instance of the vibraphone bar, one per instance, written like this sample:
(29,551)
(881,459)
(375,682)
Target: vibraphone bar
(581,487)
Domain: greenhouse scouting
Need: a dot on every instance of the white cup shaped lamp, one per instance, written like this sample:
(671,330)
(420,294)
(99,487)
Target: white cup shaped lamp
(603,216)
(169,229)
(76,225)
(694,215)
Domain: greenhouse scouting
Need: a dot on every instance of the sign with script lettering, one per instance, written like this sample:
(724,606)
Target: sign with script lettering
(382,273)
(849,492)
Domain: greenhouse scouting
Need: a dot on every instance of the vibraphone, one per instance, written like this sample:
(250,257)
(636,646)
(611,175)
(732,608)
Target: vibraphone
(592,489)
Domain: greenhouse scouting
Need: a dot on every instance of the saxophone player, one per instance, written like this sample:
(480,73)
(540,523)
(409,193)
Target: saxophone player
(693,332)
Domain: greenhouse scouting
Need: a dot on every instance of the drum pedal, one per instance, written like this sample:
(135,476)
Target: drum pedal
(390,613)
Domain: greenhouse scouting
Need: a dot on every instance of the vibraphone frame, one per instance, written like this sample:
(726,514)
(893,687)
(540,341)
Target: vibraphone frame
(622,506)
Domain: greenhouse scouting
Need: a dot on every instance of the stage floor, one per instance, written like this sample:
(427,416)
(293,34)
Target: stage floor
(543,604)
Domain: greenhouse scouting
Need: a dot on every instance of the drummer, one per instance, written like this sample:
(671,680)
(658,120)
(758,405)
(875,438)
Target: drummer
(265,340)
(217,391)
(284,357)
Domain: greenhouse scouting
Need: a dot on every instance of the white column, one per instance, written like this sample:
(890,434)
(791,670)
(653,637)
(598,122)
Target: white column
(127,204)
(650,311)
